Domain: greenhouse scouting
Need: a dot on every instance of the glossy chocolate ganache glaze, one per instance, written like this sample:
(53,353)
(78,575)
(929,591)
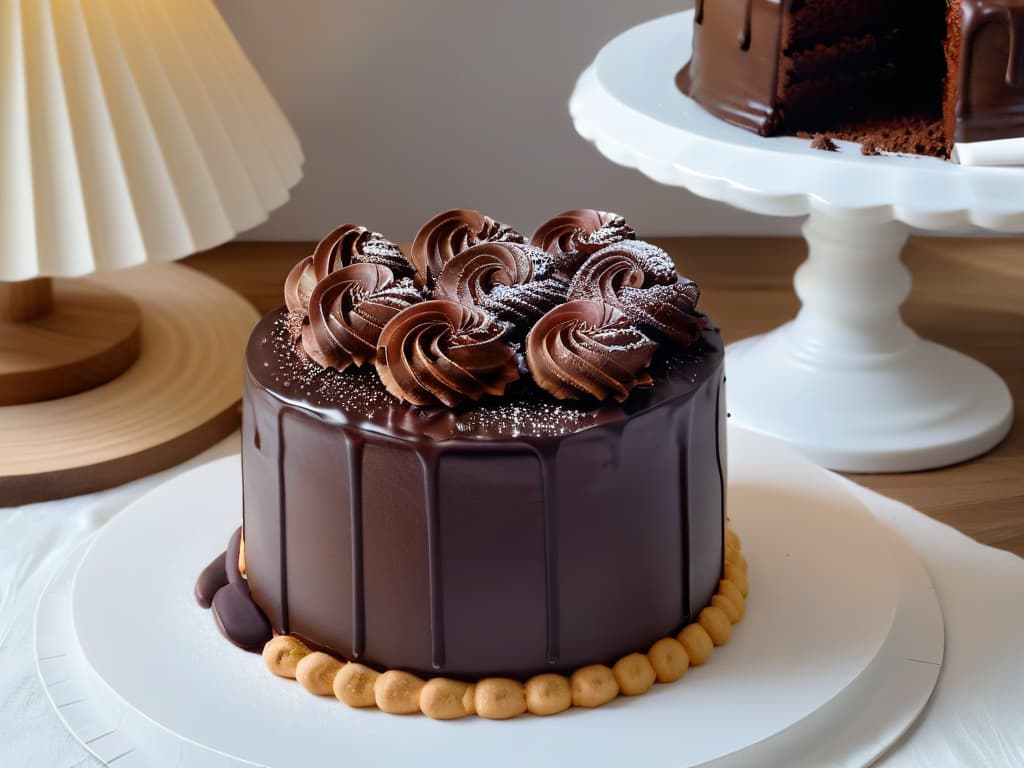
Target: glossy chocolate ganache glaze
(502,459)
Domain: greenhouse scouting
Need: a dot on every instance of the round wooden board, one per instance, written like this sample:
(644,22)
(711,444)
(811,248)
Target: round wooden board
(89,336)
(181,395)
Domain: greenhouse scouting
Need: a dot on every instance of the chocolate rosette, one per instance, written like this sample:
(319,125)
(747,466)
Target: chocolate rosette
(443,352)
(449,234)
(522,305)
(666,311)
(469,276)
(588,348)
(624,265)
(299,285)
(501,278)
(343,246)
(573,236)
(351,244)
(349,309)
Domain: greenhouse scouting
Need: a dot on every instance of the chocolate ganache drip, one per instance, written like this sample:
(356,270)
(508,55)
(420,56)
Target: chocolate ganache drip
(443,352)
(574,235)
(449,234)
(348,309)
(588,348)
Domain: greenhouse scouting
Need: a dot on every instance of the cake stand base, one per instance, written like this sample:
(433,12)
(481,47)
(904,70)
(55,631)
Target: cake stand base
(178,398)
(847,382)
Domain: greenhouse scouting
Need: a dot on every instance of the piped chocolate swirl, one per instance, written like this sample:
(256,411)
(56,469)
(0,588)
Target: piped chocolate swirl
(449,234)
(452,333)
(442,352)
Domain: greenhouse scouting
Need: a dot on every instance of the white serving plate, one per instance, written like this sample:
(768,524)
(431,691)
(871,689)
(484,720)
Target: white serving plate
(841,618)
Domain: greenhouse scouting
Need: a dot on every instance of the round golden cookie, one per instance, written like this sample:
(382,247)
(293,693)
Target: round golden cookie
(735,557)
(716,623)
(282,654)
(354,685)
(316,673)
(668,659)
(728,607)
(548,694)
(593,686)
(732,539)
(444,699)
(728,589)
(738,576)
(697,642)
(498,698)
(634,674)
(397,692)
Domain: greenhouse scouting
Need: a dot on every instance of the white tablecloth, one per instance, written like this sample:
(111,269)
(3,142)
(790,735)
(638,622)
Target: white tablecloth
(975,718)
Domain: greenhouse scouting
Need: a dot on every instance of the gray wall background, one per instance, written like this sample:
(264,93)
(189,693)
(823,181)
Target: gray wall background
(408,107)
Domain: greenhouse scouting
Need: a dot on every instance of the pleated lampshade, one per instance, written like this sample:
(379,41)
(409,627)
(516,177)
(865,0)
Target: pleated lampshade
(130,131)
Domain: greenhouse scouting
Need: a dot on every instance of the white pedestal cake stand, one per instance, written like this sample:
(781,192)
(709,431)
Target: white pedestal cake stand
(847,382)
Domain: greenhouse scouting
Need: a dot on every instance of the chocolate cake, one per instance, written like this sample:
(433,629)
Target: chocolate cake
(914,76)
(492,458)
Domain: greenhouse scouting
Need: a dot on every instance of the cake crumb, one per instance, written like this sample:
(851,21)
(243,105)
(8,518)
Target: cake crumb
(870,149)
(824,143)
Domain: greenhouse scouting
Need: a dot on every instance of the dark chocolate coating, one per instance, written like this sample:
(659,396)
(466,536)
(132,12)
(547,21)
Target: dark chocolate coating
(213,578)
(511,538)
(240,619)
(741,49)
(223,588)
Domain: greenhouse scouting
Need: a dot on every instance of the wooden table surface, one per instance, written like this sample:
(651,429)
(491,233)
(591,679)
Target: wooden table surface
(968,294)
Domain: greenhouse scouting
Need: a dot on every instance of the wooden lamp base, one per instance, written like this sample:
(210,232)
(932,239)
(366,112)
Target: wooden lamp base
(59,338)
(171,357)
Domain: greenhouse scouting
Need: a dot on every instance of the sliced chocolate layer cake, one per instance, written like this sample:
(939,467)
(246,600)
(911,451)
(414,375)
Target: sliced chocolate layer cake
(915,76)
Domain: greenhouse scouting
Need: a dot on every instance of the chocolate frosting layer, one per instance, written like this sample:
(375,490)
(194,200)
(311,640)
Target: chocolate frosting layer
(449,234)
(343,304)
(493,539)
(444,352)
(348,310)
(588,349)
